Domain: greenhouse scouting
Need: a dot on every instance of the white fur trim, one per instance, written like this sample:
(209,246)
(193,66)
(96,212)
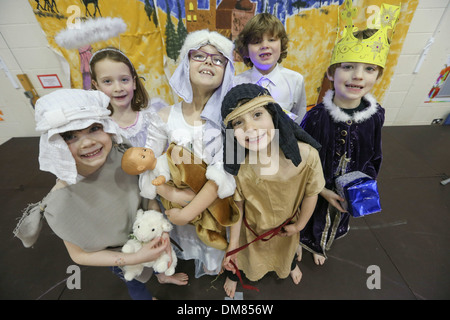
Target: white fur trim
(90,31)
(340,116)
(368,112)
(224,180)
(200,38)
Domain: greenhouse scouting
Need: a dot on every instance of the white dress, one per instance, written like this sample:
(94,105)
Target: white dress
(136,133)
(208,260)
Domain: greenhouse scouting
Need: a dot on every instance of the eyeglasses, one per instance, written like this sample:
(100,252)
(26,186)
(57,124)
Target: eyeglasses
(201,56)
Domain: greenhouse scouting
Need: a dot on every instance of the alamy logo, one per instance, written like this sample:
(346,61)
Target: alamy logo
(374,280)
(73,21)
(73,281)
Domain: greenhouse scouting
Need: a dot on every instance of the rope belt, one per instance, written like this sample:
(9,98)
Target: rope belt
(270,234)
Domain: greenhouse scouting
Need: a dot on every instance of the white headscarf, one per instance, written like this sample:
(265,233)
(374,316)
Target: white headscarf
(68,110)
(180,82)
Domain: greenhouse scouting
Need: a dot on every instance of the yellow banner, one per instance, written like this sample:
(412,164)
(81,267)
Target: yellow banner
(156,30)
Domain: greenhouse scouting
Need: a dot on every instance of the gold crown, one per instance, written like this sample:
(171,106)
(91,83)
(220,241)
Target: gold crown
(373,50)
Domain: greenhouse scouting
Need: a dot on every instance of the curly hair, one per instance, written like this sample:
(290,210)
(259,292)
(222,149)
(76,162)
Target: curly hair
(254,30)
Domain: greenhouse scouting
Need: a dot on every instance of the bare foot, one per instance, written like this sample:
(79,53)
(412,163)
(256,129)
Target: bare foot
(296,275)
(318,259)
(180,279)
(299,253)
(230,287)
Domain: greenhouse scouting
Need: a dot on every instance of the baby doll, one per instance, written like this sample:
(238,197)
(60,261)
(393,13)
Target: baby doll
(188,171)
(185,171)
(154,171)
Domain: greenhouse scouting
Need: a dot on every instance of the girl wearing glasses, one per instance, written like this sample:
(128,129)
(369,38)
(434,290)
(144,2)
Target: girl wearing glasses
(203,77)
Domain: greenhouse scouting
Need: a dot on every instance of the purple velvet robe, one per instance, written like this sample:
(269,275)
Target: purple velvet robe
(338,132)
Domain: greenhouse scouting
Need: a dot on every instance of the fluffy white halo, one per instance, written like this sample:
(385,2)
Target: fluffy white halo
(90,31)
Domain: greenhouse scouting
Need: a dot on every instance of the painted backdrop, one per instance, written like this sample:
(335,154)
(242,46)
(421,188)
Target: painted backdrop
(156,30)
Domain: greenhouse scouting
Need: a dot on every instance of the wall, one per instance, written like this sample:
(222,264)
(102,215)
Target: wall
(404,102)
(24,50)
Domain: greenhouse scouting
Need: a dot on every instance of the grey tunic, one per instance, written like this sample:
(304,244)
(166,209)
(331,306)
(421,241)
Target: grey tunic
(96,213)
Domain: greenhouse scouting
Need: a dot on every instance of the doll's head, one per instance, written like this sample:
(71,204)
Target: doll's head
(137,160)
(254,31)
(138,96)
(65,118)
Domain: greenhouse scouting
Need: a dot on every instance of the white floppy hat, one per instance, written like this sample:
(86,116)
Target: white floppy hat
(68,110)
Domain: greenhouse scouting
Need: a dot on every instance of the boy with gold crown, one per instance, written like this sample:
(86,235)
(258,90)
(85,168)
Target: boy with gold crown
(347,123)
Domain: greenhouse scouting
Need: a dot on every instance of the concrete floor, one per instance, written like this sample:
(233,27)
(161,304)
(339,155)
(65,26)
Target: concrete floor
(407,241)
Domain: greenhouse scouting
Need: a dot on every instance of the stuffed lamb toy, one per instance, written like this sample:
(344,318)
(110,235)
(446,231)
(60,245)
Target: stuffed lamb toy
(147,226)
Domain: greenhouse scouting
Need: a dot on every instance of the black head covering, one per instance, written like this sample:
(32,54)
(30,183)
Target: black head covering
(289,132)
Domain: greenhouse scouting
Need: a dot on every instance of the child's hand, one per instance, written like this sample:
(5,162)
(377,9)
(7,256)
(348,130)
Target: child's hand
(176,216)
(226,263)
(289,230)
(159,180)
(175,195)
(333,198)
(151,250)
(166,235)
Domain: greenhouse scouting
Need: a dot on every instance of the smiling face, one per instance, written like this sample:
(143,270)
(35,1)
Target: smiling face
(89,147)
(353,80)
(116,81)
(265,52)
(254,130)
(206,75)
